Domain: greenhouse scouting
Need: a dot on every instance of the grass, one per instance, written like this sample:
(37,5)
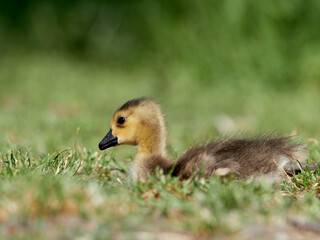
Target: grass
(217,68)
(54,189)
(82,193)
(46,98)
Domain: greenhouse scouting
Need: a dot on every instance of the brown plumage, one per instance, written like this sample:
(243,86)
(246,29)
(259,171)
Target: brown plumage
(140,122)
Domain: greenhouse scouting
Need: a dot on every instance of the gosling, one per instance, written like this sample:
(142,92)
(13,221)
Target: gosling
(140,122)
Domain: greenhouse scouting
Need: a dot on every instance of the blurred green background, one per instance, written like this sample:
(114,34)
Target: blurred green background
(216,67)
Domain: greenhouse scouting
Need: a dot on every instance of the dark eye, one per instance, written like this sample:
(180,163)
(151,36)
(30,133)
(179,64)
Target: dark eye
(121,120)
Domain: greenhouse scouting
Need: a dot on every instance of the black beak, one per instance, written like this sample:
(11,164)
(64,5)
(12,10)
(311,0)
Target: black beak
(108,141)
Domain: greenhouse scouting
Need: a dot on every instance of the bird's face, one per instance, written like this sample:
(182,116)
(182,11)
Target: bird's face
(124,128)
(138,122)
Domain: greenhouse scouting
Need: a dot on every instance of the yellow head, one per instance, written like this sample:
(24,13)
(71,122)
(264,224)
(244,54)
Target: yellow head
(138,122)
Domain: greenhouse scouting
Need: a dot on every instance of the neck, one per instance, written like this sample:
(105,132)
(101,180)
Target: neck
(151,154)
(151,148)
(152,140)
(153,145)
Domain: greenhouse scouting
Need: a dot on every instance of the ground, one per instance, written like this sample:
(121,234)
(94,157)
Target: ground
(55,184)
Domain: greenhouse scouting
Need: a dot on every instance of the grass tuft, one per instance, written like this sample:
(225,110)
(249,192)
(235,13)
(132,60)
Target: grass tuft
(75,192)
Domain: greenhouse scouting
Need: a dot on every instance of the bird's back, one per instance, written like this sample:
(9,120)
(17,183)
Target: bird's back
(242,157)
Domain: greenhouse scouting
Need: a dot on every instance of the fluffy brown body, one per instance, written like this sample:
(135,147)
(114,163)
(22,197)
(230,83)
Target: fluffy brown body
(144,126)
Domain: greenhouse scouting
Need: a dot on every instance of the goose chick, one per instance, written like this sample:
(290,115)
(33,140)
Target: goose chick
(140,122)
